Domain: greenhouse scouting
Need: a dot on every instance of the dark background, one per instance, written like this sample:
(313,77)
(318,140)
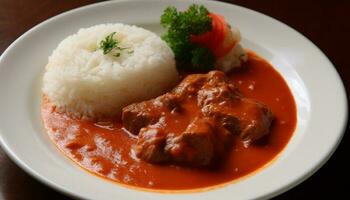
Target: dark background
(326,23)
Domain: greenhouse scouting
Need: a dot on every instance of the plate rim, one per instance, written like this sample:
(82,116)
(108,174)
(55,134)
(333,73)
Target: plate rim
(276,192)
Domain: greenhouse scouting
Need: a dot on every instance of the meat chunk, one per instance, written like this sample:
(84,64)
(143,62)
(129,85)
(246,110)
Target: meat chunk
(201,144)
(151,145)
(196,122)
(190,85)
(254,118)
(226,119)
(138,115)
(217,89)
(257,121)
(195,146)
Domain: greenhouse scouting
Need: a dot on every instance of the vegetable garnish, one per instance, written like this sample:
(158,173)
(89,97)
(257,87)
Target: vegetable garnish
(180,27)
(215,37)
(110,44)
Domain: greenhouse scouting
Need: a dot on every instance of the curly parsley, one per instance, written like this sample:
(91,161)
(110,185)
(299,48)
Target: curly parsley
(180,26)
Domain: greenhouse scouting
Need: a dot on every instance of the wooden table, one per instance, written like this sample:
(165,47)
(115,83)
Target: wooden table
(324,23)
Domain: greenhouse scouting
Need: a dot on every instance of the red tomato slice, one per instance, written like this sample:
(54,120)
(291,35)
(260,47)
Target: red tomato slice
(206,38)
(220,35)
(224,47)
(213,40)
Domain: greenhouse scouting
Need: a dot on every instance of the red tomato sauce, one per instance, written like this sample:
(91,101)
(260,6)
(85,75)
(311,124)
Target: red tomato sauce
(105,148)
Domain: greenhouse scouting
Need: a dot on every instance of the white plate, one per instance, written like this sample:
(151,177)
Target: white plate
(316,86)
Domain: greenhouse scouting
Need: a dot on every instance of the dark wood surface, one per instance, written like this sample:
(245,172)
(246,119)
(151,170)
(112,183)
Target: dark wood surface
(326,23)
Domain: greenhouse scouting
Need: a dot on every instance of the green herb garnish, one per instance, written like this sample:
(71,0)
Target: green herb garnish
(202,59)
(180,26)
(109,44)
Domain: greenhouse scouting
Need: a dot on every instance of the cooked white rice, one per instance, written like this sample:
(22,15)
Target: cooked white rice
(81,80)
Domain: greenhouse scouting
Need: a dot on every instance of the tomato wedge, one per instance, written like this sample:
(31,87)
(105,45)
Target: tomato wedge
(214,39)
(217,42)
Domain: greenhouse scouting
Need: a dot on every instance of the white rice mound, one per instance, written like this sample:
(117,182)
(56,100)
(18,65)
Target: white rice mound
(82,81)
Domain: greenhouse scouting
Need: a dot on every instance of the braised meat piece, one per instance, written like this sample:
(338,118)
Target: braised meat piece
(255,122)
(220,98)
(254,118)
(195,145)
(196,123)
(217,90)
(199,145)
(138,115)
(190,85)
(151,145)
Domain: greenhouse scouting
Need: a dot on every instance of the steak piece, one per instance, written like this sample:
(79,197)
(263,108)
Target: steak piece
(196,122)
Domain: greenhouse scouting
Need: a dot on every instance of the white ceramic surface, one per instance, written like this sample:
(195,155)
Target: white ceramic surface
(316,86)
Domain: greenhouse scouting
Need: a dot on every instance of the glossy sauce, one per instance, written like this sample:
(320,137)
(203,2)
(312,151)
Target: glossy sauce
(105,148)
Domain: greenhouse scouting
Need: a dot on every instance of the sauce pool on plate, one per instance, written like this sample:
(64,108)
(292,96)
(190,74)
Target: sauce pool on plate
(105,149)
